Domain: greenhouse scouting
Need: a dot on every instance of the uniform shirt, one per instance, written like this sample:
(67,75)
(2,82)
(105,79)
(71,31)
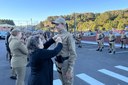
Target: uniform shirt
(19,52)
(111,37)
(99,36)
(123,36)
(68,49)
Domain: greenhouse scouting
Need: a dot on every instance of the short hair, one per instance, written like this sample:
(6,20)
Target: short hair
(15,32)
(32,43)
(67,26)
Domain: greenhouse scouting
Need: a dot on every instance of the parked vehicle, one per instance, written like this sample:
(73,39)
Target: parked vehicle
(3,34)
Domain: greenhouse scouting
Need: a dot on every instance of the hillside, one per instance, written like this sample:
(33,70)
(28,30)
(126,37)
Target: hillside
(90,21)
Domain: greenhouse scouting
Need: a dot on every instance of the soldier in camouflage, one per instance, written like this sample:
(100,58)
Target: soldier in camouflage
(65,60)
(123,39)
(99,39)
(112,39)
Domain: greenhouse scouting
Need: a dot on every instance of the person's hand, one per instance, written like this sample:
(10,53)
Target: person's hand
(55,37)
(41,46)
(58,40)
(68,74)
(23,41)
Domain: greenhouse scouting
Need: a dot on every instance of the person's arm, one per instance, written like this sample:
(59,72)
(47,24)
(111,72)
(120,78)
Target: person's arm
(50,53)
(22,47)
(72,50)
(48,43)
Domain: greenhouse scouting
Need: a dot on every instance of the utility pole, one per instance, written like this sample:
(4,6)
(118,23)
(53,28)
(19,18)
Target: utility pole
(31,21)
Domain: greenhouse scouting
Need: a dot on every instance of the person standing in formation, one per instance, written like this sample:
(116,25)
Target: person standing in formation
(112,39)
(123,40)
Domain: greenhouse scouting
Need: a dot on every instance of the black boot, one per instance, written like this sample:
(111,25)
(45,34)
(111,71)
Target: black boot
(100,50)
(97,49)
(13,77)
(114,52)
(109,51)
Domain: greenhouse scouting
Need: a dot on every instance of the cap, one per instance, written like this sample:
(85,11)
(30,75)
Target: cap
(59,20)
(14,32)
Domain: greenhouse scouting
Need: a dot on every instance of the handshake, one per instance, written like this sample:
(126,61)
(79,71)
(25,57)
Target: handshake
(57,38)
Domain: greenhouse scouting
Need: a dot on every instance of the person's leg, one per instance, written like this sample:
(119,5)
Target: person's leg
(66,81)
(13,73)
(121,44)
(20,71)
(59,67)
(100,45)
(98,48)
(124,43)
(110,47)
(113,47)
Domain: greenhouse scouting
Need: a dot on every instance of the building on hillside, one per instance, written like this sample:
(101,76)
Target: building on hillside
(5,27)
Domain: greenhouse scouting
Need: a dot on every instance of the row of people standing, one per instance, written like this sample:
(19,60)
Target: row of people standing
(111,40)
(40,56)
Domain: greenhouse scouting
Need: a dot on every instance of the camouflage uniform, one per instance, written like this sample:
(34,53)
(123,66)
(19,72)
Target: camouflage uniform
(78,39)
(112,39)
(67,57)
(99,41)
(123,40)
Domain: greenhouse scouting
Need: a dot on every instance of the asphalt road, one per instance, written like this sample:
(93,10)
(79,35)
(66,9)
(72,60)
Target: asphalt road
(91,68)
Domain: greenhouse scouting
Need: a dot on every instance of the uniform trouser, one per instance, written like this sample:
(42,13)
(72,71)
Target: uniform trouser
(79,42)
(62,69)
(112,46)
(100,44)
(9,56)
(123,42)
(13,73)
(20,72)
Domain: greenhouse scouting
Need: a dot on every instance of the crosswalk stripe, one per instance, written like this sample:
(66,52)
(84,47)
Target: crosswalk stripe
(57,82)
(54,67)
(89,79)
(122,67)
(115,75)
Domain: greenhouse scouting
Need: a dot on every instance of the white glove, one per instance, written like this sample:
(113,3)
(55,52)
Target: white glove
(55,37)
(58,40)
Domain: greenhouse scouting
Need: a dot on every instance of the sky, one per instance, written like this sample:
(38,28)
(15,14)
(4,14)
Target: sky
(34,11)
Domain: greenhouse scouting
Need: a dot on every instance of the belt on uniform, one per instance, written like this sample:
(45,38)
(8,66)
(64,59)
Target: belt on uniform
(61,59)
(112,40)
(65,58)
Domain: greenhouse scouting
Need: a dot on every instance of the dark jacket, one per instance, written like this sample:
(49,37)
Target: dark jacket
(42,65)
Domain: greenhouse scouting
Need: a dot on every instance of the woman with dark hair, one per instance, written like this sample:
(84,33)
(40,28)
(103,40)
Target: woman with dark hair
(40,60)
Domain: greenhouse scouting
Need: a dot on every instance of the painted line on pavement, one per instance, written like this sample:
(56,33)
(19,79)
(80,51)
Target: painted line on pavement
(89,79)
(54,67)
(57,82)
(114,75)
(122,67)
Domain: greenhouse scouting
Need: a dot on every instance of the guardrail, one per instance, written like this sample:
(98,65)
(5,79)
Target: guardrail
(93,38)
